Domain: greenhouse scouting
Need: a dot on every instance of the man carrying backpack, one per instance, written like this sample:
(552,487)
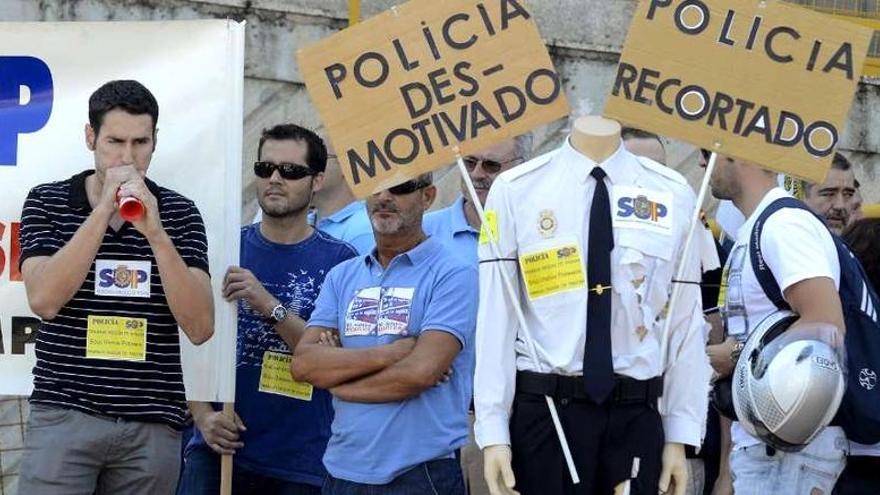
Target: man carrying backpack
(801,256)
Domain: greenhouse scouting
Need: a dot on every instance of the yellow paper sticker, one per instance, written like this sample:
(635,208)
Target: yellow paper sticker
(116,337)
(722,291)
(493,224)
(275,377)
(555,270)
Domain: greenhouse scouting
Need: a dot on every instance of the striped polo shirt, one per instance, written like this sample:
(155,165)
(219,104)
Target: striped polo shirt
(113,349)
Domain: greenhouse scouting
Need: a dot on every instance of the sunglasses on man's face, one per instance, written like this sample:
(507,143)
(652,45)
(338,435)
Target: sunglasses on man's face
(288,171)
(408,187)
(490,166)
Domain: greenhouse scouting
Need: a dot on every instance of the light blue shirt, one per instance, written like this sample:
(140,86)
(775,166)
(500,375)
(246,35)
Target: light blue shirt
(423,289)
(450,227)
(352,225)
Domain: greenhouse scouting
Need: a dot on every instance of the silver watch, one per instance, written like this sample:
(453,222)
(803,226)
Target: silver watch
(278,314)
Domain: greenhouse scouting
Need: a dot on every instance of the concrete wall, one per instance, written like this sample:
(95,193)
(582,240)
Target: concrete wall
(584,37)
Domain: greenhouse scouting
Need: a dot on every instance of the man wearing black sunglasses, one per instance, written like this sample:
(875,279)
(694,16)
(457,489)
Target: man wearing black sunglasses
(402,378)
(283,264)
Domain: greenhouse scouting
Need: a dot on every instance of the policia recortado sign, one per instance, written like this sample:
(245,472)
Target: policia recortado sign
(764,81)
(400,91)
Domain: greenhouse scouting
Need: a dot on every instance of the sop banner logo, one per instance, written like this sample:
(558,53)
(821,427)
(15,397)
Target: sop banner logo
(26,93)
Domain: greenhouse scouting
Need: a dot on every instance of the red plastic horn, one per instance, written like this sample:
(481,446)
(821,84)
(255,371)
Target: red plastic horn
(130,209)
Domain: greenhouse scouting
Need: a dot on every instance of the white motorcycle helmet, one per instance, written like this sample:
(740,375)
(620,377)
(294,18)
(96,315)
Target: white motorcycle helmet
(787,386)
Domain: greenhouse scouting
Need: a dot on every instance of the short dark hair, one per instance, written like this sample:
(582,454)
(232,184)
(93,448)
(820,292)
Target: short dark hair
(840,162)
(130,96)
(863,237)
(636,133)
(425,178)
(316,151)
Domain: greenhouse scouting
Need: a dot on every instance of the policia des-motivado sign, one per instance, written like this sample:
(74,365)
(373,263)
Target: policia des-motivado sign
(400,91)
(760,80)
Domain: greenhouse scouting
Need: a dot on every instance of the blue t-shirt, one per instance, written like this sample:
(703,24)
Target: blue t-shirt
(425,288)
(352,225)
(286,437)
(450,226)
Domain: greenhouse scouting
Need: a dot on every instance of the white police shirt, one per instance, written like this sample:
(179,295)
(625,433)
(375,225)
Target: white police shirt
(540,211)
(796,246)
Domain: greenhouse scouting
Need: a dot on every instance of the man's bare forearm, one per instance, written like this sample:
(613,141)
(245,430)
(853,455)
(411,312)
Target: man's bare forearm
(188,294)
(291,330)
(326,367)
(51,282)
(394,383)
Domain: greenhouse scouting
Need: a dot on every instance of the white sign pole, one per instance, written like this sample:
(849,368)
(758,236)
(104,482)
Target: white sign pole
(514,299)
(682,264)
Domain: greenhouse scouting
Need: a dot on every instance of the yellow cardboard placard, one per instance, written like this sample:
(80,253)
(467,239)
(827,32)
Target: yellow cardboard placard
(492,220)
(551,271)
(275,377)
(116,337)
(763,81)
(399,92)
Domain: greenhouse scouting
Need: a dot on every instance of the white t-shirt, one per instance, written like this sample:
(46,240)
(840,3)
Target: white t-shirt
(796,246)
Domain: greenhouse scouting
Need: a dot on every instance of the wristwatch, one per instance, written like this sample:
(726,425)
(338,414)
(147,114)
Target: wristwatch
(278,314)
(737,350)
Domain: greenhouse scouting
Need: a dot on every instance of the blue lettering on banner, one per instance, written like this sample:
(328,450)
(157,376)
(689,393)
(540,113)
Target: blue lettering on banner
(17,118)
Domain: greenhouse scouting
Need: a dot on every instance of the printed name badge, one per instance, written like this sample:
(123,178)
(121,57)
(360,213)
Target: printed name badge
(642,209)
(492,220)
(554,270)
(122,278)
(275,377)
(116,337)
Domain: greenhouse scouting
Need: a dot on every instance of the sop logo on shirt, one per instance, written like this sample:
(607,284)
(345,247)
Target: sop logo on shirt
(639,208)
(122,278)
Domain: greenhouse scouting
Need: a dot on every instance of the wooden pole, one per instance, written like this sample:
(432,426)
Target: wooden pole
(354,12)
(683,266)
(226,460)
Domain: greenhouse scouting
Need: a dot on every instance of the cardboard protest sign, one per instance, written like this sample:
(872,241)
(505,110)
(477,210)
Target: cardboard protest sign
(398,92)
(763,81)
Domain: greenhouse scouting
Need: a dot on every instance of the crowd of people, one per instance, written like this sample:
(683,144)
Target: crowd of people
(382,349)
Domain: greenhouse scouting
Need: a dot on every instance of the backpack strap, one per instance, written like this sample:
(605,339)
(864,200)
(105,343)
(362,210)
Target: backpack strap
(762,271)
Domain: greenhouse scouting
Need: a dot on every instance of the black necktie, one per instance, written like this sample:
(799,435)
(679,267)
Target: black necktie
(598,368)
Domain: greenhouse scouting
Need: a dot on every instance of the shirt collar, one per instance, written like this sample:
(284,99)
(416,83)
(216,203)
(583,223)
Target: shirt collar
(621,167)
(457,218)
(343,214)
(79,198)
(415,256)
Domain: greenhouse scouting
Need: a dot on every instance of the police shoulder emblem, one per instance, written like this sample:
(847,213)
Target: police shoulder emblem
(546,223)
